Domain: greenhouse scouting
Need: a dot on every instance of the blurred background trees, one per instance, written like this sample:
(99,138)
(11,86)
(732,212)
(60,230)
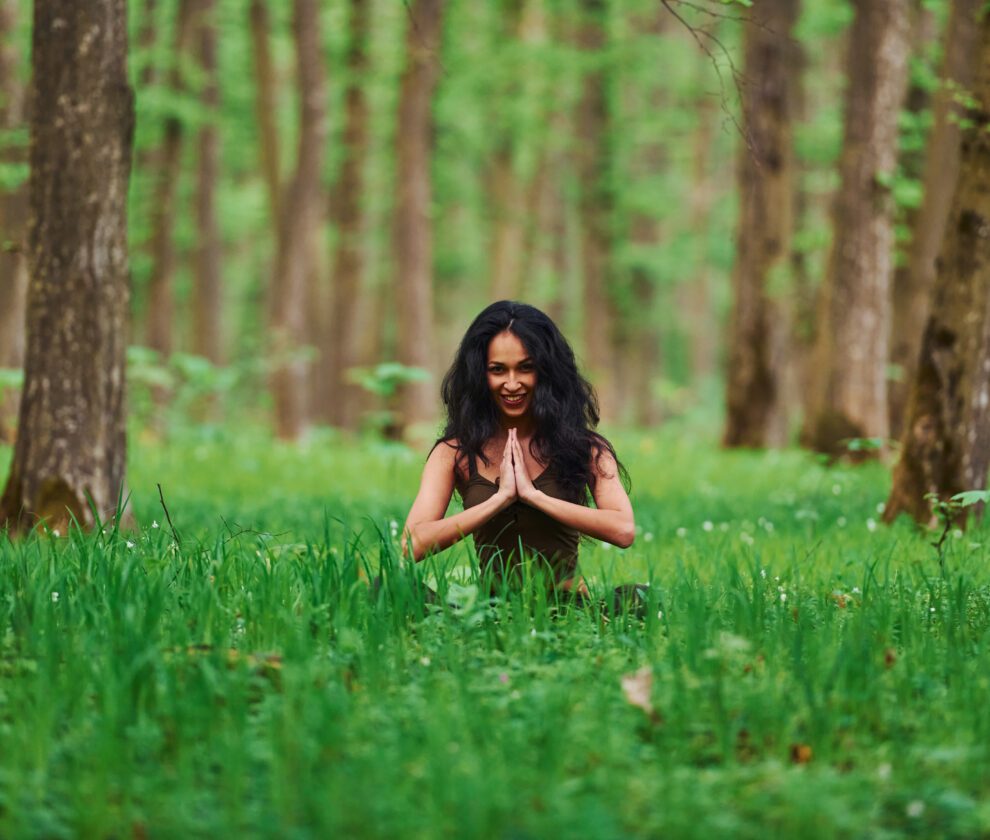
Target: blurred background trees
(732,210)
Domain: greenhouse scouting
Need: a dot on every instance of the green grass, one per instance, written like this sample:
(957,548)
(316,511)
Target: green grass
(813,673)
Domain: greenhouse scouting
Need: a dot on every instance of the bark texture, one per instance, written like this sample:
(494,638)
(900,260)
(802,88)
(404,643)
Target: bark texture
(349,257)
(413,226)
(946,443)
(13,218)
(913,282)
(71,447)
(297,226)
(850,392)
(765,174)
(207,300)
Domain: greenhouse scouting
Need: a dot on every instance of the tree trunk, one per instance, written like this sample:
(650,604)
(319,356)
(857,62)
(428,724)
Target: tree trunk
(413,229)
(595,206)
(264,106)
(71,446)
(207,300)
(850,393)
(13,213)
(765,174)
(913,282)
(349,258)
(946,443)
(297,226)
(161,305)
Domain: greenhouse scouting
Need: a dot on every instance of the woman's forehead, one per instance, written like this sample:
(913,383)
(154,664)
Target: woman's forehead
(506,347)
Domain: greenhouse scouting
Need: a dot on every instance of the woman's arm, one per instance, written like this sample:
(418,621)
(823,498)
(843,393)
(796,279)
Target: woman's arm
(426,530)
(612,519)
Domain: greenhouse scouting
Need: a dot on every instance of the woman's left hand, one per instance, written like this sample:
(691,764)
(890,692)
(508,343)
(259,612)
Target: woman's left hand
(524,484)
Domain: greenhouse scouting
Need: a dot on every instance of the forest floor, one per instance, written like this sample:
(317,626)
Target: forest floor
(803,669)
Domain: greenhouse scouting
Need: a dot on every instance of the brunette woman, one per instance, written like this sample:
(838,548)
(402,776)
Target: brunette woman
(520,448)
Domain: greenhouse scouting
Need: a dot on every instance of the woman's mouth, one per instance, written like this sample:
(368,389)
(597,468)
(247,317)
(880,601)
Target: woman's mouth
(513,401)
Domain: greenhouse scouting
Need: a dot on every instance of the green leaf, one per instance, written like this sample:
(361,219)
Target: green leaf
(971,497)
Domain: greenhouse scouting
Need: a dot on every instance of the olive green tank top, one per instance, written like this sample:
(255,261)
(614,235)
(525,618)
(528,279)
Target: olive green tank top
(498,541)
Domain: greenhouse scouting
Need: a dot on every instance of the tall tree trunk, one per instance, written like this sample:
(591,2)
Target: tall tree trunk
(413,228)
(913,281)
(765,174)
(595,207)
(161,305)
(265,106)
(298,224)
(946,443)
(850,392)
(349,258)
(71,445)
(207,302)
(13,214)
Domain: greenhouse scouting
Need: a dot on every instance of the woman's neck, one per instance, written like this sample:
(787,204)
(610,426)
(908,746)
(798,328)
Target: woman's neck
(524,426)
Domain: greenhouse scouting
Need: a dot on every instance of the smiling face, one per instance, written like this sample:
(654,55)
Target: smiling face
(511,375)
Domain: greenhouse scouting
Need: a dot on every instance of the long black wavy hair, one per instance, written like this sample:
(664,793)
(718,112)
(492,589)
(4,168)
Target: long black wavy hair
(563,403)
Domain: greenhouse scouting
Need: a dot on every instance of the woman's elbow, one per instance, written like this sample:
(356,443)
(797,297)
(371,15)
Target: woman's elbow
(625,536)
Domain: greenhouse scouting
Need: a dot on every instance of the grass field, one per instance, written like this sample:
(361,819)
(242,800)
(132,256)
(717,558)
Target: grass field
(807,672)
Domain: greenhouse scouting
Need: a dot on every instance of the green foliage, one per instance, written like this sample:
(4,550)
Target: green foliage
(11,379)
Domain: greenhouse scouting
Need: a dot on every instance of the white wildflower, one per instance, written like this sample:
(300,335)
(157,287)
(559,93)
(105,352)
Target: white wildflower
(707,526)
(54,597)
(915,809)
(682,532)
(871,525)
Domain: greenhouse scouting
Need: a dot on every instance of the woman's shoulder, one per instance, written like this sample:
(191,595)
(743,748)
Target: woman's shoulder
(447,452)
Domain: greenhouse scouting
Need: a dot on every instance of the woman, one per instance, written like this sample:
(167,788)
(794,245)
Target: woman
(520,448)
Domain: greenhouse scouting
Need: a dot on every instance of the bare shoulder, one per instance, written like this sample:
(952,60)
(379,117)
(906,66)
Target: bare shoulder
(603,462)
(447,457)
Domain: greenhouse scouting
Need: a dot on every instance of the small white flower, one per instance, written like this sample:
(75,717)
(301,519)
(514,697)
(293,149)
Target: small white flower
(915,809)
(857,591)
(884,771)
(746,538)
(682,532)
(931,609)
(881,507)
(768,526)
(56,533)
(763,573)
(54,597)
(130,544)
(424,661)
(783,597)
(707,526)
(648,536)
(957,534)
(660,614)
(841,522)
(154,523)
(724,526)
(871,525)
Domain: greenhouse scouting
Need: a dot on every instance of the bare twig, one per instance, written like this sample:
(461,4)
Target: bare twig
(175,533)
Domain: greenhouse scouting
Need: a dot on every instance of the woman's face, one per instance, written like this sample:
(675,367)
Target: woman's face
(511,375)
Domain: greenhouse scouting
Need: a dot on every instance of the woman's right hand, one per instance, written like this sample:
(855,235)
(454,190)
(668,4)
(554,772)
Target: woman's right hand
(507,476)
